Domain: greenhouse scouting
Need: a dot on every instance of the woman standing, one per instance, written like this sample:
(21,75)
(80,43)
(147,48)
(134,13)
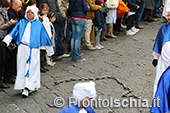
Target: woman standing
(4,25)
(78,10)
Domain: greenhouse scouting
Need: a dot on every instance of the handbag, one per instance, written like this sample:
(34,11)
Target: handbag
(2,34)
(112,4)
(122,9)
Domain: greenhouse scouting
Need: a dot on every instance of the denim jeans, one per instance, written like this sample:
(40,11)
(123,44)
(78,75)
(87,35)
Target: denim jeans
(78,27)
(59,29)
(68,32)
(139,13)
(157,5)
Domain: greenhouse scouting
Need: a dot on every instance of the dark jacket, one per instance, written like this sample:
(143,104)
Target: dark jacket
(99,19)
(53,5)
(150,4)
(132,5)
(15,16)
(81,8)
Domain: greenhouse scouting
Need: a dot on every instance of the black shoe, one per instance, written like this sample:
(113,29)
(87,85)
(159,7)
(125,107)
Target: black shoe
(3,86)
(152,20)
(157,16)
(115,33)
(42,70)
(57,59)
(45,69)
(1,89)
(120,30)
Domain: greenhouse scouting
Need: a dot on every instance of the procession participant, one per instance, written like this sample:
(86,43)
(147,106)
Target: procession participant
(159,57)
(81,92)
(161,97)
(29,34)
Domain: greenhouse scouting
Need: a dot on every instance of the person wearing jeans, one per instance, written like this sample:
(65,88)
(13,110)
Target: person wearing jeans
(59,28)
(78,27)
(139,14)
(157,5)
(78,10)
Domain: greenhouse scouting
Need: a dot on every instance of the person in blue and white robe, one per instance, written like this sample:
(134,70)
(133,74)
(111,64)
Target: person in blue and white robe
(160,57)
(162,92)
(81,91)
(29,34)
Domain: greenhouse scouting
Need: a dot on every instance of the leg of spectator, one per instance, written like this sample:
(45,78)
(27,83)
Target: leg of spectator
(157,5)
(59,28)
(80,30)
(87,32)
(139,14)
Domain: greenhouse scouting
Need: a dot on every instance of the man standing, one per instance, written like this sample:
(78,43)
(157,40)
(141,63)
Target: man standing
(10,69)
(160,57)
(88,28)
(60,27)
(29,34)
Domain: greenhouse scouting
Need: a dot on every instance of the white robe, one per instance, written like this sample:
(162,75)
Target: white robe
(163,64)
(33,81)
(111,16)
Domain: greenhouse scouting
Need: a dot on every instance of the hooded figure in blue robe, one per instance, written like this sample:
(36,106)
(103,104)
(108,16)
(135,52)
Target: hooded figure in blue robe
(163,89)
(162,38)
(29,34)
(162,84)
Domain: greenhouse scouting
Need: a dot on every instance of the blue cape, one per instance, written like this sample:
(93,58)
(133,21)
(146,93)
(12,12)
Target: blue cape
(75,109)
(38,36)
(163,36)
(163,92)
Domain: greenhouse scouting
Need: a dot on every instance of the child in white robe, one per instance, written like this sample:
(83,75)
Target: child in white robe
(29,34)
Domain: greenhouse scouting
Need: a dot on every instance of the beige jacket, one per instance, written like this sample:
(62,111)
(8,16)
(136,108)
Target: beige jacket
(112,4)
(63,8)
(4,26)
(93,8)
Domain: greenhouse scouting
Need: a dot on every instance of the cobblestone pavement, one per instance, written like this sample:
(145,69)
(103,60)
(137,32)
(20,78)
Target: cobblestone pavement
(128,58)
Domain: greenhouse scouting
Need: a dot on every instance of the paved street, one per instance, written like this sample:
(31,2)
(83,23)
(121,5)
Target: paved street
(127,58)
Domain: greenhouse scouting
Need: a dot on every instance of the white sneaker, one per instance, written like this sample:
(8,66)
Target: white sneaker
(25,93)
(102,47)
(134,29)
(64,56)
(130,32)
(98,47)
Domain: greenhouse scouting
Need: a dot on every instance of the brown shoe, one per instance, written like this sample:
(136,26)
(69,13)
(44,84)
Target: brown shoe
(139,27)
(91,48)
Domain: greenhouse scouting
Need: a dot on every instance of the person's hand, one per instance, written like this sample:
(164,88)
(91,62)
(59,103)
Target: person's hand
(100,8)
(3,44)
(155,62)
(13,21)
(138,7)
